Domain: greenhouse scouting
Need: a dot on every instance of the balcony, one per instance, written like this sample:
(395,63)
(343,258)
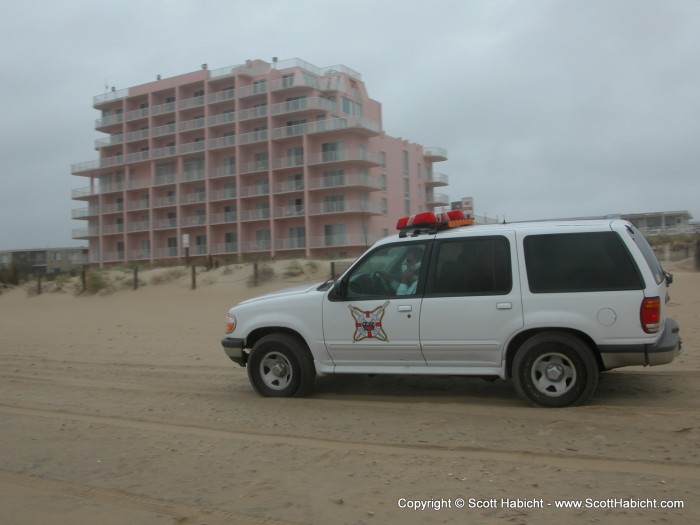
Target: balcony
(436,199)
(298,80)
(349,180)
(222,96)
(193,220)
(342,240)
(310,104)
(133,136)
(345,206)
(112,140)
(294,243)
(435,154)
(189,125)
(224,248)
(222,142)
(83,193)
(358,157)
(168,129)
(257,112)
(112,229)
(437,179)
(164,202)
(138,226)
(165,224)
(162,109)
(222,171)
(287,212)
(294,161)
(223,194)
(260,214)
(192,175)
(139,255)
(255,190)
(256,246)
(194,102)
(193,198)
(136,114)
(224,218)
(192,147)
(85,233)
(289,186)
(106,122)
(254,167)
(224,118)
(253,138)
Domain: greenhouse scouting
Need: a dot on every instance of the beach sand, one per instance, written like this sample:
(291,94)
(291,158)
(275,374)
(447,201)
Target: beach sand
(123,409)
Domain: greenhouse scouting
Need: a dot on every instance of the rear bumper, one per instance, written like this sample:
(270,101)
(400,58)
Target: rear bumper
(234,350)
(665,350)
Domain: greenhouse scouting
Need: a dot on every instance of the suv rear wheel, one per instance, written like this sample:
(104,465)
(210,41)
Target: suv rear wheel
(555,369)
(281,366)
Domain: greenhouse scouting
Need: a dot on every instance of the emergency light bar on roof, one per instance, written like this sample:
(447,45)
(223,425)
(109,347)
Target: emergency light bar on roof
(431,222)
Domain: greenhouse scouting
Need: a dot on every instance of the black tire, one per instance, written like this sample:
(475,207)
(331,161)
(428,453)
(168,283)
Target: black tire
(555,369)
(281,366)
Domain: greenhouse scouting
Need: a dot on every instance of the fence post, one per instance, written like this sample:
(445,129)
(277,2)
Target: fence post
(194,277)
(255,273)
(83,279)
(38,284)
(333,270)
(136,277)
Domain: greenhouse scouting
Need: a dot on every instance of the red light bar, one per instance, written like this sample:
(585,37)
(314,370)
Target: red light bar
(445,219)
(420,220)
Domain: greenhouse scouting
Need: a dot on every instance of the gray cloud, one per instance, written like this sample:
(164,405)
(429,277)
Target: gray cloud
(547,108)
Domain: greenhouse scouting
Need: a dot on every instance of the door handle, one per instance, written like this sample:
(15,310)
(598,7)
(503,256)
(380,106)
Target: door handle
(405,308)
(504,306)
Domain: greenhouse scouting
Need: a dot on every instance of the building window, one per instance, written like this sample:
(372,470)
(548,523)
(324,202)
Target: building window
(333,203)
(332,151)
(334,235)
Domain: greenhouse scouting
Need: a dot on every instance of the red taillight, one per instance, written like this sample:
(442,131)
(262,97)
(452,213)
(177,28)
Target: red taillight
(650,314)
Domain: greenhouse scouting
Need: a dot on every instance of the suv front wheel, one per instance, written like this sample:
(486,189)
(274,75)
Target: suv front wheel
(555,369)
(281,366)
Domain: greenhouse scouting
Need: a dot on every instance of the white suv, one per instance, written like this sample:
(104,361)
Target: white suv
(549,305)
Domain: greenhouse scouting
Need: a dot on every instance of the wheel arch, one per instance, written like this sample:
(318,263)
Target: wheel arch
(520,338)
(257,334)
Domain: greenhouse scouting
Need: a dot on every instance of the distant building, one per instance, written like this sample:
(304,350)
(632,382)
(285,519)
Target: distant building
(650,223)
(44,261)
(280,159)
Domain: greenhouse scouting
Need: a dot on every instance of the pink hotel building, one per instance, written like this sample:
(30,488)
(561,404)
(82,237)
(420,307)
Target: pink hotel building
(257,160)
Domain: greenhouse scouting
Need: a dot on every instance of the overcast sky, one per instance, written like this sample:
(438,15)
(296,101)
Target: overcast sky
(547,108)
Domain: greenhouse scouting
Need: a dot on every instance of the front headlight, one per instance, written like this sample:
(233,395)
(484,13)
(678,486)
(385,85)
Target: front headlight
(230,323)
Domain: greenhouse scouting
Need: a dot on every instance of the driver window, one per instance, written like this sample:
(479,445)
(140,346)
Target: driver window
(390,271)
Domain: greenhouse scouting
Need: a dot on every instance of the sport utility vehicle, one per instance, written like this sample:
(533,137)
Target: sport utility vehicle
(548,304)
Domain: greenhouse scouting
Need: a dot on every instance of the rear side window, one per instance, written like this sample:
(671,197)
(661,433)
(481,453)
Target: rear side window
(471,266)
(648,254)
(579,262)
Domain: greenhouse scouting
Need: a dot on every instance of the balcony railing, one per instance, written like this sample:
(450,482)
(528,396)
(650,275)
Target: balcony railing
(255,215)
(345,206)
(224,218)
(289,211)
(344,181)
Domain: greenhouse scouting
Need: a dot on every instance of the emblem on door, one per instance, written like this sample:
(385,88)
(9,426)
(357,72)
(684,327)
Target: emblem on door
(368,324)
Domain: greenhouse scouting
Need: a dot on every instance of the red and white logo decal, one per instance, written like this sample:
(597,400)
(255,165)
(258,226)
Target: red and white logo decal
(368,325)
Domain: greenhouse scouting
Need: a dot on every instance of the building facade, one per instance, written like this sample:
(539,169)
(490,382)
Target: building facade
(278,159)
(44,261)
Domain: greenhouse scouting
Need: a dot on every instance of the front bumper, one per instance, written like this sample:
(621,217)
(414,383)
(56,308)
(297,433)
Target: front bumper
(662,352)
(233,347)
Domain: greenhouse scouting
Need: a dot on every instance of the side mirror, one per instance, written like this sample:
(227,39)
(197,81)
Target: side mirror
(669,278)
(340,288)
